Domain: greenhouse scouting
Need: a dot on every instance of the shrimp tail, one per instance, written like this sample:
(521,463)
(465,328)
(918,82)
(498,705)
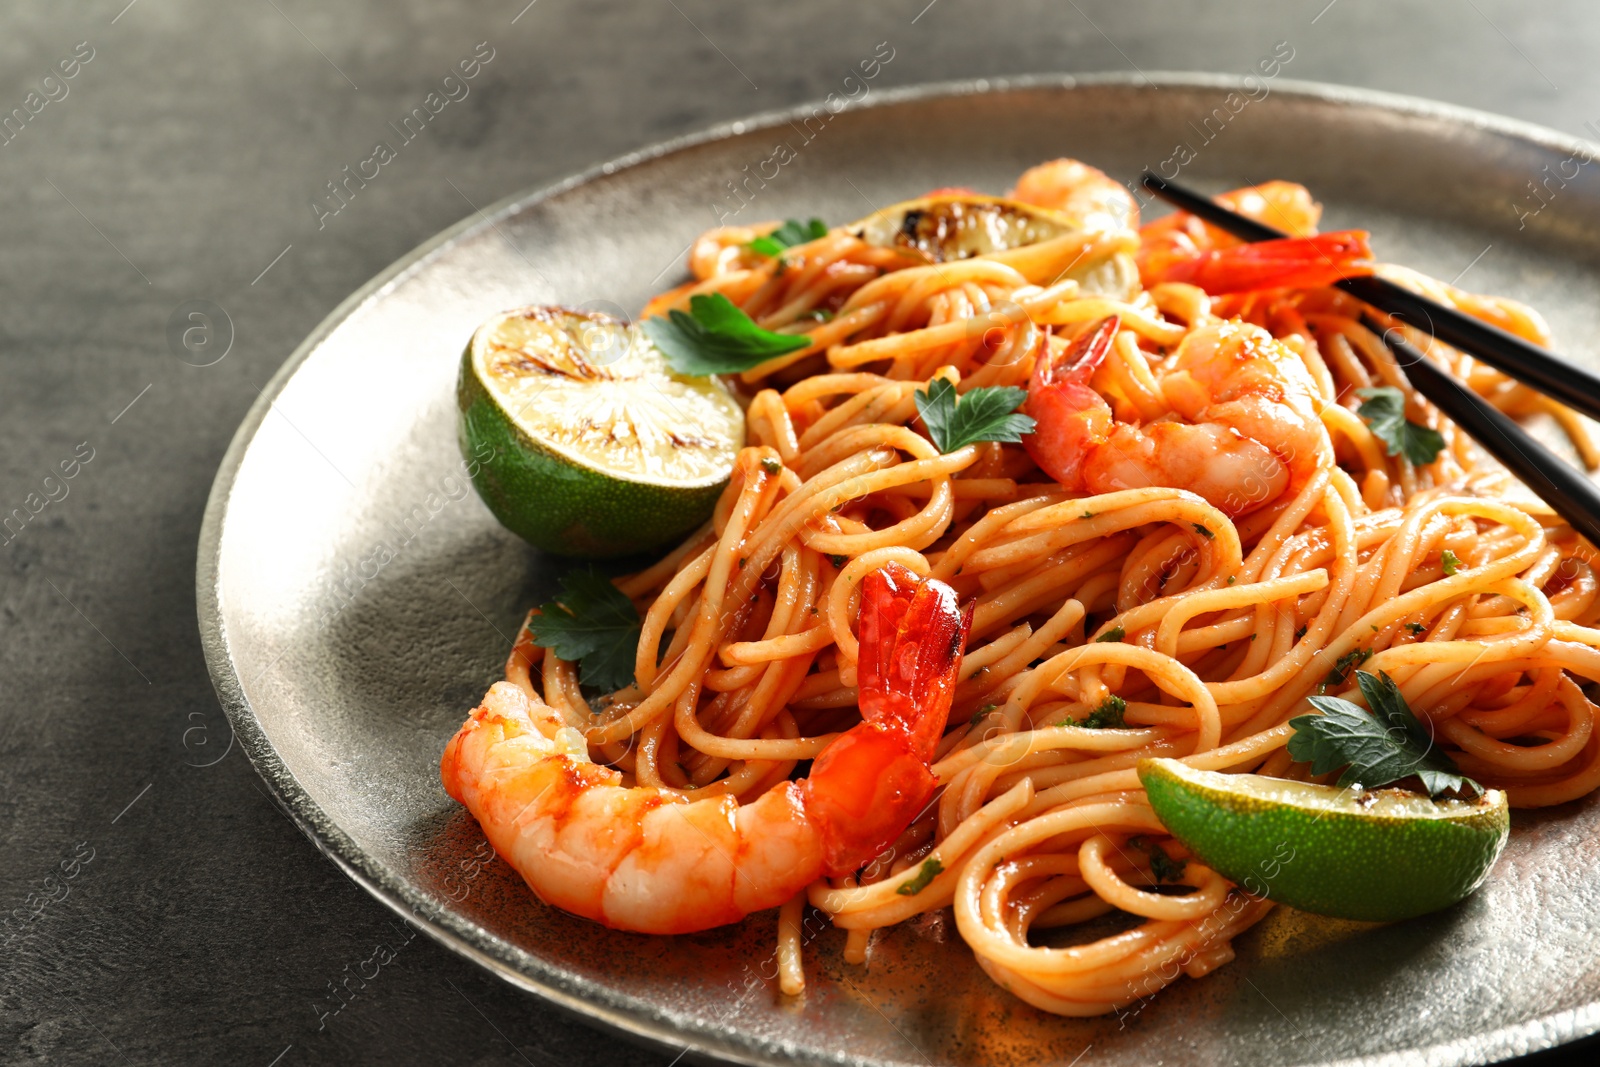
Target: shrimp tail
(1079,362)
(874,779)
(1070,418)
(1287,263)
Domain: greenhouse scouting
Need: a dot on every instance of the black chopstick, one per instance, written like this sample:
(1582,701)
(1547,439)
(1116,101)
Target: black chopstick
(1543,370)
(1564,488)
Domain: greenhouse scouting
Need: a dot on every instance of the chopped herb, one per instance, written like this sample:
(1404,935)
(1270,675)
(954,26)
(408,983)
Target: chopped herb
(1162,866)
(1088,514)
(1202,531)
(1231,579)
(1108,716)
(1116,633)
(978,715)
(1343,666)
(771,465)
(715,337)
(1416,627)
(1450,561)
(791,233)
(931,869)
(988,413)
(1254,636)
(1384,410)
(1377,747)
(739,563)
(1298,634)
(593,623)
(838,561)
(1374,628)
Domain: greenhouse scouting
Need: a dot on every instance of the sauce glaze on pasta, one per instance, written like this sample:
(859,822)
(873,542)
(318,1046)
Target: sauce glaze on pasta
(1227,623)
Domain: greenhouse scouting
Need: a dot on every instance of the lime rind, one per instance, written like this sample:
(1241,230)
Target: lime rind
(1317,800)
(952,227)
(1377,856)
(1031,239)
(534,400)
(594,390)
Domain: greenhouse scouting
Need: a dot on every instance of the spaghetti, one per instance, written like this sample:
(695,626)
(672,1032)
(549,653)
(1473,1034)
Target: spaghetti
(1209,620)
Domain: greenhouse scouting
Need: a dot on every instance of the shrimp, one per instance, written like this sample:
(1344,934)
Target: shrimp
(653,861)
(1182,248)
(1290,263)
(1083,193)
(1285,206)
(1242,428)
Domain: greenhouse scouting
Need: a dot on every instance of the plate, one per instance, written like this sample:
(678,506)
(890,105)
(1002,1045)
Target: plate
(356,599)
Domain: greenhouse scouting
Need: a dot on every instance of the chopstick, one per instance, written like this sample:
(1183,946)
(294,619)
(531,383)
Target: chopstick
(1558,484)
(1545,371)
(1564,488)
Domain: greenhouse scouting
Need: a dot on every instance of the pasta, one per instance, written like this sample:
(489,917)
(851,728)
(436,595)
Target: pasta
(1210,617)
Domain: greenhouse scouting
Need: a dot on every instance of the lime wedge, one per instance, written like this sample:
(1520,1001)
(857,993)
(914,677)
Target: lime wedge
(1375,855)
(583,441)
(945,228)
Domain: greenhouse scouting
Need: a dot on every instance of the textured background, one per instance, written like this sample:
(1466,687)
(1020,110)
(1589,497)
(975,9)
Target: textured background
(180,166)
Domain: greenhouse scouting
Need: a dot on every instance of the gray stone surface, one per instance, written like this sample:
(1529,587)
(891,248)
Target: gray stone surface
(179,164)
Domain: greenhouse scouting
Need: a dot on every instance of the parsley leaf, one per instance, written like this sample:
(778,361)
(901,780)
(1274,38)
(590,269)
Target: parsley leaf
(1376,747)
(1450,562)
(592,622)
(791,233)
(931,869)
(1162,866)
(1384,409)
(715,337)
(988,413)
(1416,627)
(1202,531)
(1108,716)
(978,716)
(1343,666)
(1116,633)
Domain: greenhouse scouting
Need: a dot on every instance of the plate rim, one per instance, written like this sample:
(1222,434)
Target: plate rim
(619,1013)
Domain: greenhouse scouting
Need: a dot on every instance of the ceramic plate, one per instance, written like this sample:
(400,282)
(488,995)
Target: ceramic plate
(356,599)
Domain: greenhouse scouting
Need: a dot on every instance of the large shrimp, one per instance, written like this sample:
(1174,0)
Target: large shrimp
(653,861)
(1289,263)
(1242,426)
(1286,206)
(1079,191)
(1182,248)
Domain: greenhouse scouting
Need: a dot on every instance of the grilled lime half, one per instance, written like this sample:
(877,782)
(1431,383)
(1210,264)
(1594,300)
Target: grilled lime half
(1374,855)
(1045,246)
(583,441)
